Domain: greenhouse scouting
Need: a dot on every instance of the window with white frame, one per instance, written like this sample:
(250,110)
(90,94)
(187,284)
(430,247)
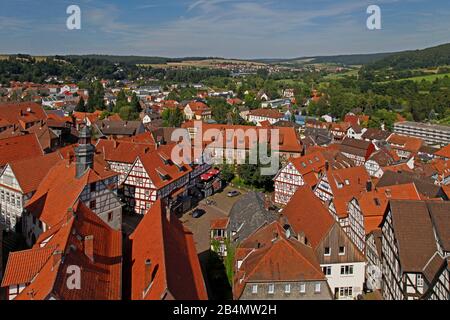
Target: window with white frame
(345,292)
(255,289)
(327,251)
(326,270)
(341,251)
(302,288)
(419,280)
(287,288)
(347,270)
(271,288)
(317,288)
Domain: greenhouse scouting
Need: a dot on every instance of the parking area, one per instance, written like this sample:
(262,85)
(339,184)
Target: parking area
(200,227)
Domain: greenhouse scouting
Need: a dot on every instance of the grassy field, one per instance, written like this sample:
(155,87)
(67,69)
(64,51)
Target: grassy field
(430,77)
(335,76)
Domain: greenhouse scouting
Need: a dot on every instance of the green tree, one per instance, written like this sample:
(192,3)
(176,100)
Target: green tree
(81,106)
(172,117)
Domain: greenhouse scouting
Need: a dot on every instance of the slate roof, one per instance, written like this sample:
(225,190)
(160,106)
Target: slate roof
(249,214)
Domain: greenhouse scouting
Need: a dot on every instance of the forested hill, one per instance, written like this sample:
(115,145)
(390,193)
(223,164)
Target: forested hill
(426,58)
(349,59)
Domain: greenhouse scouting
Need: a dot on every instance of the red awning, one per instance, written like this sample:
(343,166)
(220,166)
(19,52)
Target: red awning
(206,176)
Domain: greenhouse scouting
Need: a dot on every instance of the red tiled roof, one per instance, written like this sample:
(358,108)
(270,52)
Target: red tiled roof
(20,147)
(174,264)
(220,224)
(444,152)
(60,190)
(25,111)
(122,150)
(159,160)
(307,214)
(410,144)
(64,247)
(275,259)
(373,204)
(22,266)
(288,140)
(266,113)
(309,166)
(30,172)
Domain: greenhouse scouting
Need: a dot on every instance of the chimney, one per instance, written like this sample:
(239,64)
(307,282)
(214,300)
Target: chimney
(369,185)
(89,247)
(327,165)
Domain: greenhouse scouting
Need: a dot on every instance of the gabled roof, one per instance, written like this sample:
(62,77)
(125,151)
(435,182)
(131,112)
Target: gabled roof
(373,204)
(64,246)
(288,140)
(356,147)
(18,148)
(266,113)
(440,216)
(348,182)
(122,150)
(275,257)
(384,157)
(413,231)
(376,134)
(25,111)
(173,266)
(30,172)
(118,127)
(23,266)
(60,190)
(307,214)
(160,168)
(248,214)
(444,152)
(410,144)
(425,186)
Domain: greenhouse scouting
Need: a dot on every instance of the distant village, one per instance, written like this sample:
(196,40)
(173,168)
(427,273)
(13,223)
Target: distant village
(92,207)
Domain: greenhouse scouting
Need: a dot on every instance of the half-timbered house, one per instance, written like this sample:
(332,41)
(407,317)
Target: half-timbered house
(87,179)
(298,172)
(81,247)
(18,182)
(155,176)
(413,258)
(357,150)
(336,188)
(341,261)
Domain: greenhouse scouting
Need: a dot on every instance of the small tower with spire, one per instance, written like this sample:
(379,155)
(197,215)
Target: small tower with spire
(84,153)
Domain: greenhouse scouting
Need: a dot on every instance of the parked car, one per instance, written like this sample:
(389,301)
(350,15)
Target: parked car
(197,213)
(233,193)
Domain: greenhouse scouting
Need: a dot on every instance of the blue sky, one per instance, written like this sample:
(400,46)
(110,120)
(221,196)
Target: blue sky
(225,28)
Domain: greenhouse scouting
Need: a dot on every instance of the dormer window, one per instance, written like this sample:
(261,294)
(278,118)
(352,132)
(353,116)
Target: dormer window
(162,174)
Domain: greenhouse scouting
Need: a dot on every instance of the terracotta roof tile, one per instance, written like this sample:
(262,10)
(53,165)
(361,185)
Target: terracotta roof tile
(307,214)
(18,148)
(174,270)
